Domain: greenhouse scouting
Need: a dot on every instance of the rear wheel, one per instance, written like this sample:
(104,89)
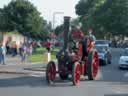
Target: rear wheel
(76,72)
(92,65)
(50,72)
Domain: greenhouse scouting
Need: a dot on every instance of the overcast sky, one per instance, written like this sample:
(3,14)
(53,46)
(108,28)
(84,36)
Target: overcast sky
(48,7)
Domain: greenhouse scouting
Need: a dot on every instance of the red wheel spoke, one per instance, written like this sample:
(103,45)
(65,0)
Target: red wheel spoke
(77,74)
(95,64)
(51,73)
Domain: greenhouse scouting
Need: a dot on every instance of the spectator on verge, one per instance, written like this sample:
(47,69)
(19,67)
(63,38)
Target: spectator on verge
(48,45)
(1,54)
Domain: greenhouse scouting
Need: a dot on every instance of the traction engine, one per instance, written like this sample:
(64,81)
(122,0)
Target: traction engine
(81,60)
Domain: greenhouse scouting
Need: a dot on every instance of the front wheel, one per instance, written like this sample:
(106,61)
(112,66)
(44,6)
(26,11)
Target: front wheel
(50,72)
(92,64)
(76,72)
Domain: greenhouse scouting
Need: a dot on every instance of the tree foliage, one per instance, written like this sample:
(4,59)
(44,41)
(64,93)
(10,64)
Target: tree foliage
(24,17)
(59,29)
(104,16)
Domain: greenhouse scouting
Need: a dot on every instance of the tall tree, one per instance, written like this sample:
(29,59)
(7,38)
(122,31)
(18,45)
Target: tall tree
(104,16)
(59,29)
(24,17)
(114,18)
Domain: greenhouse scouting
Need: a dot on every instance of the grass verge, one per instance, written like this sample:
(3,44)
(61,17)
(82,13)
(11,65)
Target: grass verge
(41,55)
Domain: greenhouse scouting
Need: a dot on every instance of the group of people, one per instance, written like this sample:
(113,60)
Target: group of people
(78,34)
(24,50)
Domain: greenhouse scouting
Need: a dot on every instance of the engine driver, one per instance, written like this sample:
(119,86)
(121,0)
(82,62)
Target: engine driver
(92,37)
(77,36)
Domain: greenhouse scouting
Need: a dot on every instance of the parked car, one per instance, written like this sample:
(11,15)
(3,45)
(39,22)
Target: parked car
(123,61)
(104,54)
(103,42)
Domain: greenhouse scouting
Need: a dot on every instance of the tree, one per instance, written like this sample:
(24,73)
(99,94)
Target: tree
(86,10)
(24,17)
(59,29)
(114,18)
(3,21)
(104,16)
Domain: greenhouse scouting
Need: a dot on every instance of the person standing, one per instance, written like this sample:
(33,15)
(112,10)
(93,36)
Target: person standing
(92,37)
(4,50)
(2,54)
(23,52)
(14,48)
(20,49)
(48,45)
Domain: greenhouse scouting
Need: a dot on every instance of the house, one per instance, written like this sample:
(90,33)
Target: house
(13,37)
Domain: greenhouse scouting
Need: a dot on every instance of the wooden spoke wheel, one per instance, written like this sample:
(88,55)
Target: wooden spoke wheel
(50,72)
(76,72)
(92,65)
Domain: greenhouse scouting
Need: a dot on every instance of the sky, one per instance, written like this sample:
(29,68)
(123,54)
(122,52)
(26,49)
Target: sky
(48,7)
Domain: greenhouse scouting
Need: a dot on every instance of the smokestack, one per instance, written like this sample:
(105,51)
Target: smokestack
(66,31)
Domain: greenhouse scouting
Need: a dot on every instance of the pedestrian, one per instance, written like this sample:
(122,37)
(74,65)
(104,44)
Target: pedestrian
(29,52)
(1,54)
(48,45)
(23,52)
(14,49)
(92,37)
(20,48)
(7,47)
(4,50)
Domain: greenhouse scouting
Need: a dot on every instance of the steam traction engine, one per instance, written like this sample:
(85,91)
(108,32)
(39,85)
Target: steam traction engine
(82,60)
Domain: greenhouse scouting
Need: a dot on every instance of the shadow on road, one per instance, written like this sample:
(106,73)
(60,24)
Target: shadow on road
(23,81)
(32,82)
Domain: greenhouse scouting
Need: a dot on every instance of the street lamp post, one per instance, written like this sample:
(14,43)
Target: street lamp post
(54,14)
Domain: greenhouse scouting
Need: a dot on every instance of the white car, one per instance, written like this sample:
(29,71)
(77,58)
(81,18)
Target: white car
(123,61)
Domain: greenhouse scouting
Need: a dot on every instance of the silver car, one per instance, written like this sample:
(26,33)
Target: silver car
(123,61)
(104,54)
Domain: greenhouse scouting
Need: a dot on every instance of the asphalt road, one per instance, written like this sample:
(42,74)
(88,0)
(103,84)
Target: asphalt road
(111,82)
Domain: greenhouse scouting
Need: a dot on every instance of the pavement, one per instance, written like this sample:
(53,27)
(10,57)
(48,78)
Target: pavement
(14,65)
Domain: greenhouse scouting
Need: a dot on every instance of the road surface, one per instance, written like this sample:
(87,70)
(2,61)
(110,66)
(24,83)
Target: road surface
(111,82)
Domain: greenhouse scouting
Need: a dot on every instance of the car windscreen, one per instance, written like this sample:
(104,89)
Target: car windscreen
(125,53)
(102,42)
(101,48)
